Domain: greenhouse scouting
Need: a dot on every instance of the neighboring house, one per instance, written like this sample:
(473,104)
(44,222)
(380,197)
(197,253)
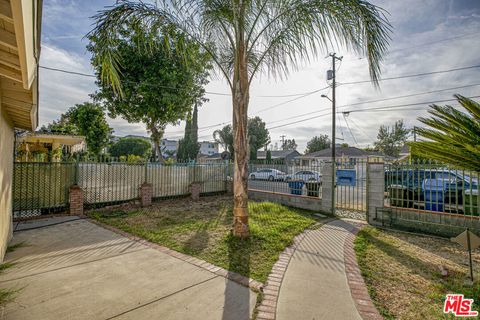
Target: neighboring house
(208,148)
(287,155)
(404,153)
(169,148)
(19,56)
(44,147)
(216,157)
(345,155)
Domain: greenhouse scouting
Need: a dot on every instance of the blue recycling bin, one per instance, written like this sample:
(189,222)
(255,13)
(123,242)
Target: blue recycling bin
(434,193)
(295,186)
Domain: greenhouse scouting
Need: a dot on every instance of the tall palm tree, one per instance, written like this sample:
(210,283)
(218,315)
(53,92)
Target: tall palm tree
(245,37)
(453,136)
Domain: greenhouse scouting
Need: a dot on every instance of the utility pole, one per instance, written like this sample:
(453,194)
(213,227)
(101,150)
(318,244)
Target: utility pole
(334,59)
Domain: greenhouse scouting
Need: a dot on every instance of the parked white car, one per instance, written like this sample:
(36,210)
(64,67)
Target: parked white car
(268,174)
(306,176)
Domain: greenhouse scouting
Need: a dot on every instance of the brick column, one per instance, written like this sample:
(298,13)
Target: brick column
(75,200)
(327,187)
(195,191)
(146,192)
(375,186)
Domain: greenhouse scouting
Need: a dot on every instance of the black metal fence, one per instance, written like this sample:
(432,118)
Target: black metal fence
(432,186)
(286,178)
(42,188)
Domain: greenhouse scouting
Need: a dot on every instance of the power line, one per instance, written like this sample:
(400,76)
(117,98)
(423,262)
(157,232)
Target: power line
(410,95)
(403,105)
(377,100)
(174,88)
(413,75)
(385,108)
(351,133)
(291,100)
(430,42)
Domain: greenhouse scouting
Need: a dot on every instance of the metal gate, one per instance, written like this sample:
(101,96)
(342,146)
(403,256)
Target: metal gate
(40,188)
(351,184)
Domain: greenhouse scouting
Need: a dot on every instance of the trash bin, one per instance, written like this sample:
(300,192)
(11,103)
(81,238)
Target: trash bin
(471,203)
(434,193)
(313,188)
(398,195)
(295,186)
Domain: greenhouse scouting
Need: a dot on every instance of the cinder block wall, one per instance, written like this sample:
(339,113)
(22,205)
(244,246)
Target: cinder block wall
(6,178)
(302,202)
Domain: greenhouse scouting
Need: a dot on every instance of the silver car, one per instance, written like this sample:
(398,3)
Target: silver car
(268,174)
(306,176)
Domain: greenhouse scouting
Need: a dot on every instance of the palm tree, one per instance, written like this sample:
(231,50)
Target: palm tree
(224,137)
(453,136)
(245,37)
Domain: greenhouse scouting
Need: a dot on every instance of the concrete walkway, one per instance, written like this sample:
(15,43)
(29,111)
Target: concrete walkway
(315,284)
(78,270)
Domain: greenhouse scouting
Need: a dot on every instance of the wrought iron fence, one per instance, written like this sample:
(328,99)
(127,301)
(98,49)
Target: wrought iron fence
(351,183)
(42,188)
(286,178)
(432,186)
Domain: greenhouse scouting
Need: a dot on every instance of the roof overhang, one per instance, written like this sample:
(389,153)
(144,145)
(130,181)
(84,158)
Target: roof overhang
(20,22)
(66,140)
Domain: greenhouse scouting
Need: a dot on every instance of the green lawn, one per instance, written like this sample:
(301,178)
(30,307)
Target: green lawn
(202,229)
(403,273)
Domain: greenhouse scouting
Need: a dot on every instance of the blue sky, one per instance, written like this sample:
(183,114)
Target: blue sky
(417,46)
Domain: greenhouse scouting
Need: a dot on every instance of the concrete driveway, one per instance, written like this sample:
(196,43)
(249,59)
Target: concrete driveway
(78,270)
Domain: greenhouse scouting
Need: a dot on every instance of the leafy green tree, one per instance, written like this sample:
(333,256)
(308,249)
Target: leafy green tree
(318,143)
(258,136)
(188,147)
(244,38)
(453,136)
(390,140)
(85,119)
(131,146)
(289,144)
(160,84)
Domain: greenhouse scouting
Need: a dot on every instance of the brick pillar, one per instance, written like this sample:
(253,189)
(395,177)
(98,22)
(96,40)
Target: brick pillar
(146,192)
(195,191)
(229,184)
(327,187)
(75,199)
(375,186)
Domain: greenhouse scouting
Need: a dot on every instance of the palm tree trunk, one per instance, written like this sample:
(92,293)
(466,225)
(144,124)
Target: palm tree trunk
(240,96)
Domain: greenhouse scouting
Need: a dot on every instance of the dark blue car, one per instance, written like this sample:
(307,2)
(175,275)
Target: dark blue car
(405,186)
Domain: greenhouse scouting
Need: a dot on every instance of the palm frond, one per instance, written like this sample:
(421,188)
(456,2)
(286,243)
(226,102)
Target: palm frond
(451,136)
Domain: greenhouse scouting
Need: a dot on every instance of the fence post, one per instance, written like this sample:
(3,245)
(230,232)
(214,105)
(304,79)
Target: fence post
(146,192)
(75,200)
(327,178)
(75,193)
(375,186)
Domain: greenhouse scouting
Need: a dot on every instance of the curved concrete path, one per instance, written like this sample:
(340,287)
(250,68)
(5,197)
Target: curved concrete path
(315,284)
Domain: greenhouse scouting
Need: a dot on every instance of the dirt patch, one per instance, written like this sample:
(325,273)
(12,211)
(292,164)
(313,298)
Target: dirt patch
(404,272)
